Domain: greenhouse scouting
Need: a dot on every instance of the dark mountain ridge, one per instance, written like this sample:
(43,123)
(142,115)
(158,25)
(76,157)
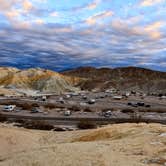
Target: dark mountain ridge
(125,78)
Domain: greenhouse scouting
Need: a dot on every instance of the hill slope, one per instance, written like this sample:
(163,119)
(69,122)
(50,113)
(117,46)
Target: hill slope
(116,145)
(35,79)
(129,78)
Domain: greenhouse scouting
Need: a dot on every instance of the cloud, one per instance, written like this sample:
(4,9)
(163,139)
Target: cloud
(21,24)
(155,26)
(12,14)
(54,14)
(150,30)
(24,5)
(35,35)
(93,5)
(27,5)
(90,6)
(153,29)
(146,3)
(93,19)
(21,14)
(7,5)
(39,21)
(64,45)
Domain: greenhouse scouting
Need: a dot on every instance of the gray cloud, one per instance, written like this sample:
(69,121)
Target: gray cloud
(61,46)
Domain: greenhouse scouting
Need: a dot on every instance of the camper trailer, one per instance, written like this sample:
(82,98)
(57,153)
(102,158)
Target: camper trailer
(117,97)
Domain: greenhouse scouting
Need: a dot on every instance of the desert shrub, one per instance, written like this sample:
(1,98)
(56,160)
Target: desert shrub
(2,118)
(38,124)
(127,110)
(86,125)
(20,121)
(26,106)
(50,106)
(35,105)
(9,103)
(158,161)
(157,110)
(87,109)
(75,108)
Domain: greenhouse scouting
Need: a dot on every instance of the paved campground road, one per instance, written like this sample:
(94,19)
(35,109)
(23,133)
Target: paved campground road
(117,117)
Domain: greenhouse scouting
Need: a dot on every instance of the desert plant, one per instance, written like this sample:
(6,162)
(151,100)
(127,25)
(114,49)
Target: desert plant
(86,125)
(2,118)
(75,108)
(35,105)
(157,110)
(38,124)
(87,109)
(127,110)
(50,106)
(26,106)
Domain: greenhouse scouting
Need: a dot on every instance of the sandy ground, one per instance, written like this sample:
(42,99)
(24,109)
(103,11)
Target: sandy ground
(113,145)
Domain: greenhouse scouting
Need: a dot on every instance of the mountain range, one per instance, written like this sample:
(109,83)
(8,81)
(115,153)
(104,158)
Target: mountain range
(127,78)
(13,80)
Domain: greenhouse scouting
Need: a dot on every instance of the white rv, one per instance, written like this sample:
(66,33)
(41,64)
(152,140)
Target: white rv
(9,108)
(117,97)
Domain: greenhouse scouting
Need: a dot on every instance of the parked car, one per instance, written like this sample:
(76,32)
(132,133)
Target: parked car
(129,103)
(61,100)
(9,108)
(134,105)
(68,96)
(92,101)
(141,104)
(67,113)
(35,98)
(45,113)
(147,105)
(106,113)
(162,97)
(84,97)
(35,110)
(18,110)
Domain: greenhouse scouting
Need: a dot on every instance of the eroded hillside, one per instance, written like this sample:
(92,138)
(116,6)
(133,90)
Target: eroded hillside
(36,79)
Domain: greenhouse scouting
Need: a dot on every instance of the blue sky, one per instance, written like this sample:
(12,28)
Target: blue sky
(65,34)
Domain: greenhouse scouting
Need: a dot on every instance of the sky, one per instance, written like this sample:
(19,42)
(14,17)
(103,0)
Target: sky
(65,34)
